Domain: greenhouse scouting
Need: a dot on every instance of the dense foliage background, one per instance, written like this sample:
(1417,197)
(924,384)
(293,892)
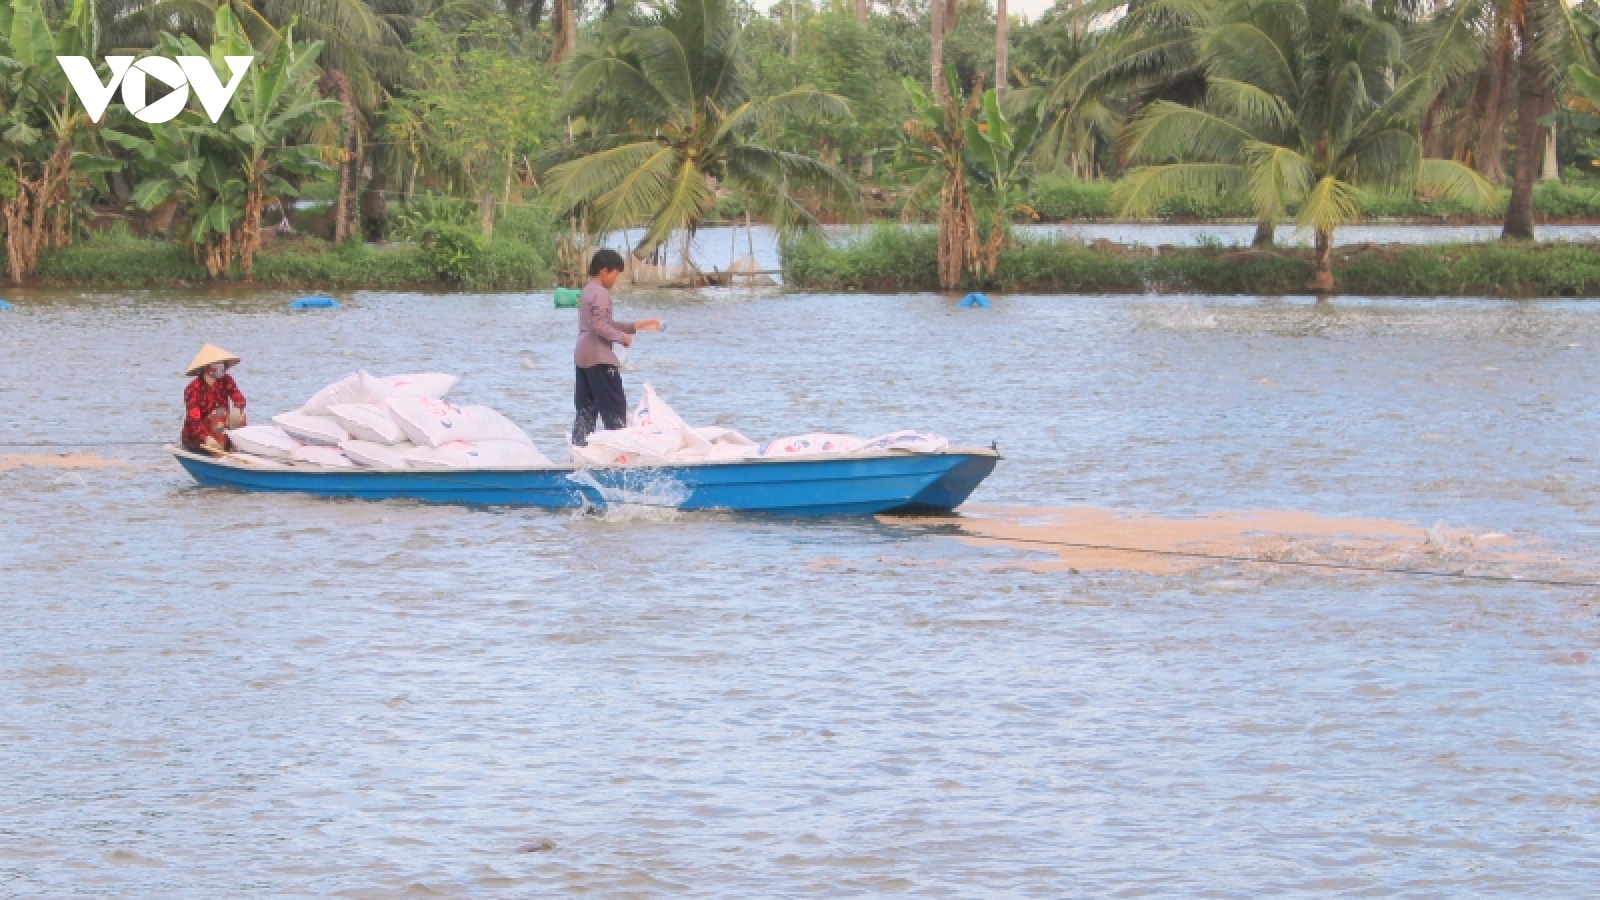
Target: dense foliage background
(460,129)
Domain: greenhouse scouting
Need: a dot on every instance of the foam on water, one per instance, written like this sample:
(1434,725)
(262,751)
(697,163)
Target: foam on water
(645,495)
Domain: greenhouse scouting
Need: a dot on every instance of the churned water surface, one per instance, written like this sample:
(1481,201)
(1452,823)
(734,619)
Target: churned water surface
(205,693)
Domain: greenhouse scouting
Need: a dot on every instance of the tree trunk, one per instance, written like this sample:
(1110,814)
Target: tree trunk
(250,231)
(1492,127)
(375,207)
(335,84)
(27,215)
(486,213)
(535,13)
(861,12)
(1433,135)
(1532,102)
(936,26)
(1323,283)
(950,12)
(564,30)
(1266,236)
(1002,43)
(1552,166)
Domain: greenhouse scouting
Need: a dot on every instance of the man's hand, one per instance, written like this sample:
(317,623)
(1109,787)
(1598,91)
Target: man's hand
(648,325)
(627,340)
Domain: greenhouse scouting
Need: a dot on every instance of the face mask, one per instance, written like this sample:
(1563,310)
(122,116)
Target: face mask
(218,370)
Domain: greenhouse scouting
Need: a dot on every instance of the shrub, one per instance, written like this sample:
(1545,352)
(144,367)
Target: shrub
(119,257)
(1055,197)
(895,258)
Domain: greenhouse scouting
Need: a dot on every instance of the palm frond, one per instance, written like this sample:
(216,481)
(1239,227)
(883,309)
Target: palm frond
(1141,191)
(1450,180)
(1329,204)
(1261,111)
(1166,131)
(571,184)
(1243,52)
(1278,180)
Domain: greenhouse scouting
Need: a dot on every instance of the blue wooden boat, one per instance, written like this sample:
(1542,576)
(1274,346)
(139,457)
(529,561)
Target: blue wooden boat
(893,481)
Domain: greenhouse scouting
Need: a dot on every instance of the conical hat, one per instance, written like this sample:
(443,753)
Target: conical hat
(209,354)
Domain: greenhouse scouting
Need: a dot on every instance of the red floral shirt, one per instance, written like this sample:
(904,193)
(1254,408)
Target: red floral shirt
(200,400)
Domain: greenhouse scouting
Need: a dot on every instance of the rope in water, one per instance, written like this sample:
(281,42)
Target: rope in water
(83,443)
(1348,567)
(1184,554)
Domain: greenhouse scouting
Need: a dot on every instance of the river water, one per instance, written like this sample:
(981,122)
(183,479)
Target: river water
(210,694)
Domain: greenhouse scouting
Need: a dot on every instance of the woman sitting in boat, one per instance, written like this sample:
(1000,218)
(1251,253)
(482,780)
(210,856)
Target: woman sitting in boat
(599,392)
(206,401)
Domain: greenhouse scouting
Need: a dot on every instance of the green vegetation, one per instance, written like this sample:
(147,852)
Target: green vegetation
(899,259)
(498,140)
(668,115)
(1305,100)
(457,257)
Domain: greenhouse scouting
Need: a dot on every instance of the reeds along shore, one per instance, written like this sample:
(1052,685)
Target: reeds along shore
(893,259)
(887,260)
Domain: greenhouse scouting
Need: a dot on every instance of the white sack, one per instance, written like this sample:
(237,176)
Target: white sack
(811,444)
(357,387)
(653,412)
(432,385)
(429,422)
(264,440)
(324,431)
(915,441)
(636,445)
(368,422)
(377,456)
(729,452)
(583,457)
(324,456)
(478,455)
(488,425)
(716,435)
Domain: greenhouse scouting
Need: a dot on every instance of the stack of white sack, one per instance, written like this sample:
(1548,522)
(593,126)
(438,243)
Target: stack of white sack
(656,435)
(394,422)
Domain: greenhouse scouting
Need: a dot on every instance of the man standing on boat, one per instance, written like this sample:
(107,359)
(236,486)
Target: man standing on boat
(599,392)
(206,416)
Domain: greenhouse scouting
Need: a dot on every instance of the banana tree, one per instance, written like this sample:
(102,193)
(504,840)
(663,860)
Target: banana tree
(996,150)
(933,156)
(176,165)
(40,117)
(224,171)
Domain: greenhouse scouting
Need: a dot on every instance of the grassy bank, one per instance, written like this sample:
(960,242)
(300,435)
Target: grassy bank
(448,258)
(899,259)
(1064,199)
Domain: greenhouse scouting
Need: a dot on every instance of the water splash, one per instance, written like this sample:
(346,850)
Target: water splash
(1183,318)
(643,495)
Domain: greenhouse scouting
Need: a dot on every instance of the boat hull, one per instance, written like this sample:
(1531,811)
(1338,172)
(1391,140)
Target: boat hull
(855,485)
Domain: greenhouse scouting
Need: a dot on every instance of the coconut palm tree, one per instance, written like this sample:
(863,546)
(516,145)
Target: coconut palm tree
(664,108)
(1306,99)
(1519,52)
(1149,49)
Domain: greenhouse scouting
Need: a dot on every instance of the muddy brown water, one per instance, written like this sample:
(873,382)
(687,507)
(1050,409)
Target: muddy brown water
(205,693)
